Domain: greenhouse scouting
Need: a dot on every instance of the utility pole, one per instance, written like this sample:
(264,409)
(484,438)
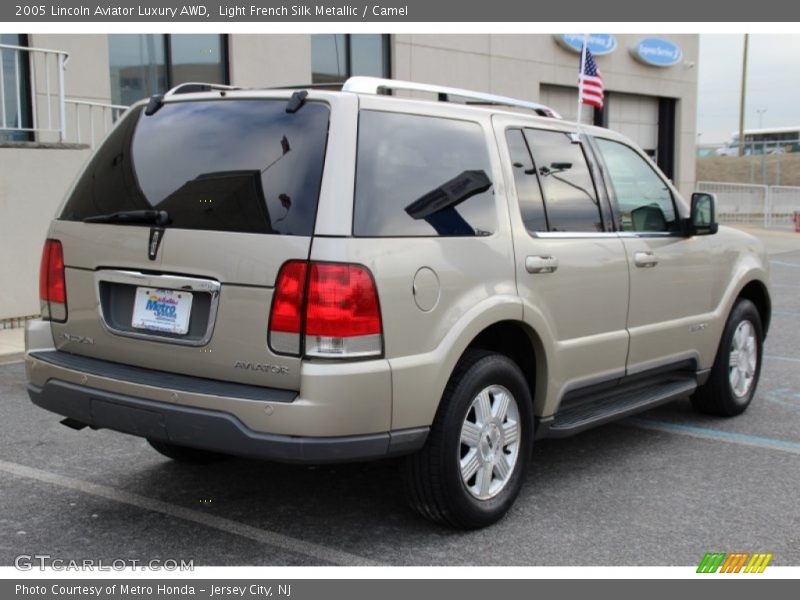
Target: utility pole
(742,98)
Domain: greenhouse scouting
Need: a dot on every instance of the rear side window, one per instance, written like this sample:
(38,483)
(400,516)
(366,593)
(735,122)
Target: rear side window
(226,165)
(422,176)
(566,181)
(529,194)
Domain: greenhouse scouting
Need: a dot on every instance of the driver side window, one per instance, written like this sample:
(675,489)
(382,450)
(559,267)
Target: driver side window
(643,200)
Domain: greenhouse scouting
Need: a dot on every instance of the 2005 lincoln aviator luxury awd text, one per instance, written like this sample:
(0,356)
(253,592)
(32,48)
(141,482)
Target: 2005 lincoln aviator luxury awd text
(316,276)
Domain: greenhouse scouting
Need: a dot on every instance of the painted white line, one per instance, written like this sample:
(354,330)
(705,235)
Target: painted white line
(784,264)
(285,542)
(716,435)
(786,358)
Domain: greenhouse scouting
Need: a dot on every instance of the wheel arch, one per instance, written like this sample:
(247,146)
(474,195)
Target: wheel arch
(757,293)
(522,344)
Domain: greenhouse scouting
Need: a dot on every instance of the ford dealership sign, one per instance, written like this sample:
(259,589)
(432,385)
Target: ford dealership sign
(658,52)
(599,43)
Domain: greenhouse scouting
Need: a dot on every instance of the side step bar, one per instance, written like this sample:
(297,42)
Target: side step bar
(616,404)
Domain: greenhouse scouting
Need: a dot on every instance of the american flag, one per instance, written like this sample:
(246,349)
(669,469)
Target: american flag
(591,82)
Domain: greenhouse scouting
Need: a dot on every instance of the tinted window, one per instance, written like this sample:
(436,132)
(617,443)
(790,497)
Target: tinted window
(422,176)
(138,66)
(644,202)
(335,57)
(566,181)
(529,194)
(145,64)
(229,165)
(197,57)
(15,94)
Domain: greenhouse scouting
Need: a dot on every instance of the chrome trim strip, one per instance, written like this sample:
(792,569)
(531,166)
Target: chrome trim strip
(575,234)
(168,282)
(604,234)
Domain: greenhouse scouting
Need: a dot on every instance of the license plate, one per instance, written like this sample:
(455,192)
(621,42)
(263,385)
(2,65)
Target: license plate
(167,311)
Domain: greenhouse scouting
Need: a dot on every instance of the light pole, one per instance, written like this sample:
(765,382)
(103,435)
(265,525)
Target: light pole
(743,94)
(760,112)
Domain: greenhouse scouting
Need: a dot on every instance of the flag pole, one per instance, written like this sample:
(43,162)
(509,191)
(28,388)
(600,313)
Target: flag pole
(580,87)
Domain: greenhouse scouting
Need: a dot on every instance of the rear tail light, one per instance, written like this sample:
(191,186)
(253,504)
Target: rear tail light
(286,319)
(333,308)
(52,282)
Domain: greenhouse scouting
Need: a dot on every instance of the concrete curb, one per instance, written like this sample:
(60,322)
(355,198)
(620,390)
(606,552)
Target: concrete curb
(11,358)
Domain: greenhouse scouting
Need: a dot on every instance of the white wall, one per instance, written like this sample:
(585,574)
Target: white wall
(86,77)
(269,60)
(32,185)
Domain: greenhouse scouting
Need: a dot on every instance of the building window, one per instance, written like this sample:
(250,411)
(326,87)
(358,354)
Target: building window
(15,107)
(335,57)
(145,64)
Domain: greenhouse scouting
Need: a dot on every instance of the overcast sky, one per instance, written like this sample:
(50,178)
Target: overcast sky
(773,83)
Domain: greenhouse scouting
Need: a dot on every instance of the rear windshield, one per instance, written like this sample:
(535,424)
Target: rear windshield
(226,165)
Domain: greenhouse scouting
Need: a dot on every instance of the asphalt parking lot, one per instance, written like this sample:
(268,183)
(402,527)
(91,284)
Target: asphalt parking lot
(661,489)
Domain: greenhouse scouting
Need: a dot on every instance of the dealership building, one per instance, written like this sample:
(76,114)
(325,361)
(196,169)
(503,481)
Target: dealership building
(59,94)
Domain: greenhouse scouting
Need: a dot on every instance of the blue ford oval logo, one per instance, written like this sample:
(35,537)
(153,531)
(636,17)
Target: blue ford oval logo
(599,43)
(658,52)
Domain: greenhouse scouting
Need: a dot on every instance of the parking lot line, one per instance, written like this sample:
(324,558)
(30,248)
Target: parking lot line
(285,542)
(786,358)
(784,264)
(719,435)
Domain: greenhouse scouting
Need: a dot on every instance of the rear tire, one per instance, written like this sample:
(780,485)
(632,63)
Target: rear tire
(184,454)
(474,461)
(732,383)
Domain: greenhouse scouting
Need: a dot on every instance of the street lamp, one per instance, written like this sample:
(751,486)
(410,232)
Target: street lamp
(760,112)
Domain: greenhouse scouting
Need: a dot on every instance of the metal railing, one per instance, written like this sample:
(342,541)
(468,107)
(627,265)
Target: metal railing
(38,77)
(33,104)
(97,116)
(771,206)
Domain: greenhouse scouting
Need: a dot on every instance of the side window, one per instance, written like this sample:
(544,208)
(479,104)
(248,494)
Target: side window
(529,194)
(644,202)
(422,176)
(567,185)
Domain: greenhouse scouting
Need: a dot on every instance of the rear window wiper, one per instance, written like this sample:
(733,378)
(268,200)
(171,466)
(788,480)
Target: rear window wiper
(155,217)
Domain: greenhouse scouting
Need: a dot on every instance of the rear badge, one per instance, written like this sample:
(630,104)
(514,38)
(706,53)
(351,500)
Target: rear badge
(264,368)
(78,339)
(156,235)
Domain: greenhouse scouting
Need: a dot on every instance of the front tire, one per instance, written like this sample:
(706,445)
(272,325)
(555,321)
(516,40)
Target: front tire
(472,466)
(732,383)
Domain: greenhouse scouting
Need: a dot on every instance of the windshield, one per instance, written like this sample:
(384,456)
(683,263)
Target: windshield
(225,165)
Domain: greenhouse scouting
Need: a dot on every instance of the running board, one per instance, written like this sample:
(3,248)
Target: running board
(616,404)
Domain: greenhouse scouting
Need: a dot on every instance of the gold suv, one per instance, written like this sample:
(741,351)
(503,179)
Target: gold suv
(316,276)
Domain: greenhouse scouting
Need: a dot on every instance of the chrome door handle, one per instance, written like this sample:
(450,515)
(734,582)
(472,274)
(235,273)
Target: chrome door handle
(645,259)
(541,264)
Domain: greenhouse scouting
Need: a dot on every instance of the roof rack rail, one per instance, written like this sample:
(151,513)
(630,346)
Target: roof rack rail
(376,85)
(191,87)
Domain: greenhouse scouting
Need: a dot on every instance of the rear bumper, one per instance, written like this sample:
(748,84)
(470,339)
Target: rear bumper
(77,387)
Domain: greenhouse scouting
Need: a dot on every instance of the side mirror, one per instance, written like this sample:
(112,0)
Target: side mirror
(703,218)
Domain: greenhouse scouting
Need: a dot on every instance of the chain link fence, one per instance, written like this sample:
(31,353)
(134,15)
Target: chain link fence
(771,206)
